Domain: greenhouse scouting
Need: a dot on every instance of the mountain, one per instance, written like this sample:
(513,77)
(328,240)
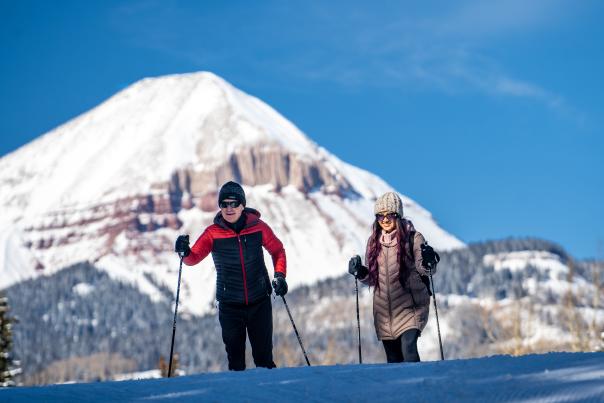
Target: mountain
(116,185)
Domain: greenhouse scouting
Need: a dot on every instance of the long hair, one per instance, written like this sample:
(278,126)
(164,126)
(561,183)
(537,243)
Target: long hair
(404,255)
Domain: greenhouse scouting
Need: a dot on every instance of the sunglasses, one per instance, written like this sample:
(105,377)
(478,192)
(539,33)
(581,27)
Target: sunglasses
(382,217)
(233,204)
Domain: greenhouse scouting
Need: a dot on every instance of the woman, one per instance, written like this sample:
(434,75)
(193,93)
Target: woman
(401,298)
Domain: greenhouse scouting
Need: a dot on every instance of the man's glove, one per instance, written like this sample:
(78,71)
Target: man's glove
(356,268)
(279,284)
(429,257)
(182,245)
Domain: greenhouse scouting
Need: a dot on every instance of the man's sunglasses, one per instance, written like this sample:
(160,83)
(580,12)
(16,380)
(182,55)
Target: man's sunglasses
(233,204)
(382,217)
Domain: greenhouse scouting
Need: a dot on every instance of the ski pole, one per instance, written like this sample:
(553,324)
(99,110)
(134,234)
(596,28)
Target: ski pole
(440,343)
(296,330)
(356,287)
(175,314)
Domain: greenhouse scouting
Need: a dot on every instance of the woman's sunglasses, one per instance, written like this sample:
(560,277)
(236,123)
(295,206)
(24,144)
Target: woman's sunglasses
(382,217)
(233,204)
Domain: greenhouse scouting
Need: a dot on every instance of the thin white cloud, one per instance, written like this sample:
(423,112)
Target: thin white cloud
(517,88)
(486,18)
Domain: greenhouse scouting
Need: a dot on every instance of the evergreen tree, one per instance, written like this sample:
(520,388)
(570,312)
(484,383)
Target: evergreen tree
(7,368)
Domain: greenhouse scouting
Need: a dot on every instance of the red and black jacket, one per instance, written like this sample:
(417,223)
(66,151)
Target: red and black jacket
(241,275)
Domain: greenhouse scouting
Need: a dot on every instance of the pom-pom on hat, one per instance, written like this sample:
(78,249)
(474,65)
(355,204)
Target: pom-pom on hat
(389,202)
(231,190)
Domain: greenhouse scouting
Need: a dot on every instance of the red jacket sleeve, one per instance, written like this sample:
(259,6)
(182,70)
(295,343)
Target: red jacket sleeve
(274,246)
(201,248)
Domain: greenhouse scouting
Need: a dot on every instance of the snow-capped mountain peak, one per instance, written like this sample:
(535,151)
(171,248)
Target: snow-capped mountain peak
(116,185)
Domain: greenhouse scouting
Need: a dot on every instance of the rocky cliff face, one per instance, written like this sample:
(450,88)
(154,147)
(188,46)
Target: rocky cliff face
(256,166)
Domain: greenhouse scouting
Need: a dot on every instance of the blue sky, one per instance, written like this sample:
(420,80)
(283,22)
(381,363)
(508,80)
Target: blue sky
(490,114)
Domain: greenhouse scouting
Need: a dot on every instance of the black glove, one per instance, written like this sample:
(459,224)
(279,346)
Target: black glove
(182,245)
(429,256)
(356,268)
(279,284)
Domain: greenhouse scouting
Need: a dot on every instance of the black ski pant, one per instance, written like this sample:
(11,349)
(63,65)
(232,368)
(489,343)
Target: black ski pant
(255,319)
(403,348)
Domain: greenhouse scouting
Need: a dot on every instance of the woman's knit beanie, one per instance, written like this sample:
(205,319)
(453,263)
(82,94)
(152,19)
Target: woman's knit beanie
(389,202)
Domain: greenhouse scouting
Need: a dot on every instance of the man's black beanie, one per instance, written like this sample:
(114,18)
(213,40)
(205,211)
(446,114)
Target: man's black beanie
(232,190)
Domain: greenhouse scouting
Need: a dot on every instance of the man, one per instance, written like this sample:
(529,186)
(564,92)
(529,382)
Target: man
(243,286)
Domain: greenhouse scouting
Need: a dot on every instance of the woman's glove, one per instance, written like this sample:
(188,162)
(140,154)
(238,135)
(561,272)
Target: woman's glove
(356,268)
(429,257)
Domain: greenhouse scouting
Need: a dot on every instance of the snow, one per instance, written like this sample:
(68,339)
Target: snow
(151,374)
(553,377)
(13,255)
(83,289)
(517,261)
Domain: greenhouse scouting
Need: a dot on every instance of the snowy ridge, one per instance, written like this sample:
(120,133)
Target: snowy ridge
(515,261)
(116,185)
(553,271)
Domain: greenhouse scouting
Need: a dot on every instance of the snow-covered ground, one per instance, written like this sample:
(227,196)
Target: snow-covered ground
(553,377)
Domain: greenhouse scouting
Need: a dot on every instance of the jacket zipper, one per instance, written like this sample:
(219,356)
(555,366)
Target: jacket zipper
(388,291)
(242,269)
